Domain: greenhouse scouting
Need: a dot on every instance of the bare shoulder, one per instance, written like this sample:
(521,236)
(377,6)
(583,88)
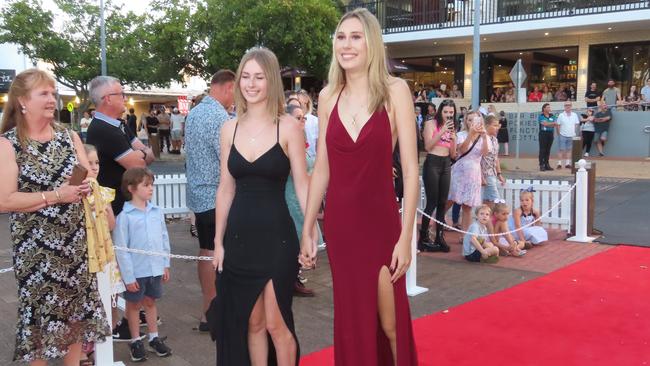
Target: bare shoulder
(289,126)
(228,127)
(398,86)
(326,99)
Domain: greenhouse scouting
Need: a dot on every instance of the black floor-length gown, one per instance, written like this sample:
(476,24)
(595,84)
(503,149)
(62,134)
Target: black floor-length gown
(261,245)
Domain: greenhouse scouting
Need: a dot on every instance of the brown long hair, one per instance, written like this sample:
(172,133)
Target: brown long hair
(22,86)
(271,67)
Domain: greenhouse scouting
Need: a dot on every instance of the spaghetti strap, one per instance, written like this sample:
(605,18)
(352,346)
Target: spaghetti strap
(277,132)
(235,132)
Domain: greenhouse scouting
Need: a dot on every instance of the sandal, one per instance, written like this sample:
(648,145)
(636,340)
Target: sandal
(193,231)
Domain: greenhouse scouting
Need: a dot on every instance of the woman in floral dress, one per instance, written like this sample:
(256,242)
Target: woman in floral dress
(58,303)
(465,188)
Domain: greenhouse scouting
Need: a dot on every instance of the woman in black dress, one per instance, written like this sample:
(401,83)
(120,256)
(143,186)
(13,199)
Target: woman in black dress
(256,244)
(502,136)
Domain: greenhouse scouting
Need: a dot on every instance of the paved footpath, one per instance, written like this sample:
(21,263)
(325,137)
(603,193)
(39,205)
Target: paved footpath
(451,280)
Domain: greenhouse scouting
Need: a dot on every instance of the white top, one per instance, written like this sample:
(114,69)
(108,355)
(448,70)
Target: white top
(177,121)
(568,124)
(84,123)
(645,92)
(311,133)
(588,126)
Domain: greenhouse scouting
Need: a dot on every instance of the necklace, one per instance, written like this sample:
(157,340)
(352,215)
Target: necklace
(253,137)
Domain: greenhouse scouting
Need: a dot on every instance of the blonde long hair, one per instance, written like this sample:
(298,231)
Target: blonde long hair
(22,86)
(376,63)
(271,67)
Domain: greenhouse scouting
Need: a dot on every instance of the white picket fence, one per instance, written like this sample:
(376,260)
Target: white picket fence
(547,194)
(170,195)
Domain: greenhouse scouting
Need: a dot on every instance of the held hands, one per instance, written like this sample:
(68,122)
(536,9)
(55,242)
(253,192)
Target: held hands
(308,250)
(401,260)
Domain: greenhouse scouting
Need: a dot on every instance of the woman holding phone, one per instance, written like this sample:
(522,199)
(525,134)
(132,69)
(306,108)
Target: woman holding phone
(465,188)
(440,144)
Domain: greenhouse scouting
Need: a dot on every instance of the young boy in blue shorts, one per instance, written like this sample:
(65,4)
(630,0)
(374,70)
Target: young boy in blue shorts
(141,225)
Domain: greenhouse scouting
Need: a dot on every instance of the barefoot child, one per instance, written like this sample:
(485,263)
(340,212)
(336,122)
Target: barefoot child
(141,225)
(476,245)
(499,224)
(523,216)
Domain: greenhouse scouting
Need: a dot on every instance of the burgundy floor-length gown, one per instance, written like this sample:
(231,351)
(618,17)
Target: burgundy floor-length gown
(362,226)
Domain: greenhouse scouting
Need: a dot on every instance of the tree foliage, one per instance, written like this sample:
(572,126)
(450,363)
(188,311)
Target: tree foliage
(298,31)
(72,48)
(176,38)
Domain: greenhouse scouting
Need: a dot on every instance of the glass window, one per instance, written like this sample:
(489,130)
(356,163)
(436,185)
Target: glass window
(431,72)
(554,71)
(626,63)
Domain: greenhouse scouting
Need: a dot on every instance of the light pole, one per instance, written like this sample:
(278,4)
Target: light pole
(476,63)
(102,36)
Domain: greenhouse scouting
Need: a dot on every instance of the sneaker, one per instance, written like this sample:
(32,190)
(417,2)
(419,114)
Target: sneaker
(302,279)
(568,166)
(121,333)
(559,166)
(158,346)
(300,290)
(601,154)
(143,319)
(586,155)
(137,351)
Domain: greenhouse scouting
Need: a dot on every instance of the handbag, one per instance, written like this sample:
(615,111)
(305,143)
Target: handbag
(454,161)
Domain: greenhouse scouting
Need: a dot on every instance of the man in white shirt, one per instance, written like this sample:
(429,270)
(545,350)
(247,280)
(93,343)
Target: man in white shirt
(566,130)
(645,96)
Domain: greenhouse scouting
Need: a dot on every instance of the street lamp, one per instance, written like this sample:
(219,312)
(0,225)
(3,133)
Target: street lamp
(102,39)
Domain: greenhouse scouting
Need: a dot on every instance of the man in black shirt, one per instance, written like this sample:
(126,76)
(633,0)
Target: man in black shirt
(592,96)
(132,121)
(117,147)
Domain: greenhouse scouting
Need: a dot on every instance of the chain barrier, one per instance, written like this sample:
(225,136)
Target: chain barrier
(567,194)
(168,255)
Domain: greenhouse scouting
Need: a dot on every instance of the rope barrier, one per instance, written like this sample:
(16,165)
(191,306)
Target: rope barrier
(507,232)
(5,270)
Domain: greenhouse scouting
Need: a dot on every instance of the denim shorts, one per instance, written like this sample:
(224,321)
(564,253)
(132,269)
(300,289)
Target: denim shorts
(601,135)
(565,143)
(149,286)
(490,191)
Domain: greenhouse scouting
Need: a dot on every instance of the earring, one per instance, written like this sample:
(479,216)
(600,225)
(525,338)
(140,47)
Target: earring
(23,110)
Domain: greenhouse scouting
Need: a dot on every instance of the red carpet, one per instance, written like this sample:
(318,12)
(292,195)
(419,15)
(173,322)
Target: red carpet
(594,312)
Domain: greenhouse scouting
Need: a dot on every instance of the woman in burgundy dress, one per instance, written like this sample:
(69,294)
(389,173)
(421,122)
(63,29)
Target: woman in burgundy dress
(363,112)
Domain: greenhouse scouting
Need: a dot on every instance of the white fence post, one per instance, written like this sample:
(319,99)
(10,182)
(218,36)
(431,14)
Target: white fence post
(412,289)
(104,351)
(581,204)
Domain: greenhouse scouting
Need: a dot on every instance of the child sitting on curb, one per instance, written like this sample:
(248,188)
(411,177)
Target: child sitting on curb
(476,245)
(523,216)
(499,224)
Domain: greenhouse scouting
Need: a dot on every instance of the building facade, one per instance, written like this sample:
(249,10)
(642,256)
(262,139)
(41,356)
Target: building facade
(563,44)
